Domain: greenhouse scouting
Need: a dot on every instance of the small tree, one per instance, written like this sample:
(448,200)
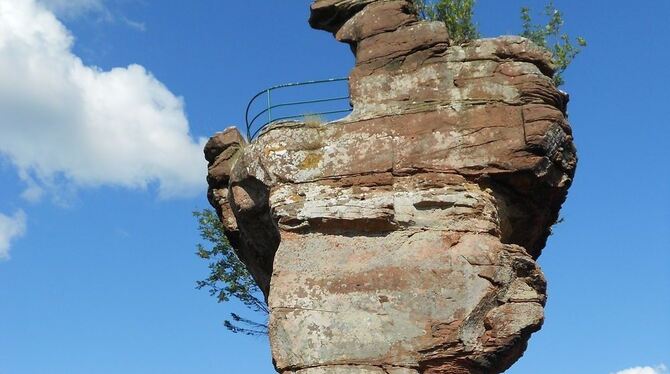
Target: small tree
(456,14)
(228,277)
(551,37)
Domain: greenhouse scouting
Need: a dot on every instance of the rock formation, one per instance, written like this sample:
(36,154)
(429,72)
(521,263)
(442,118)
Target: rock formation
(403,238)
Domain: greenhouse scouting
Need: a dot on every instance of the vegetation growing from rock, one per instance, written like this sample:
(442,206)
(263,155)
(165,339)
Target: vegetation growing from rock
(552,37)
(228,278)
(458,16)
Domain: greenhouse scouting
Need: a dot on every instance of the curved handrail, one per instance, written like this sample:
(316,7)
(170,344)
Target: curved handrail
(269,107)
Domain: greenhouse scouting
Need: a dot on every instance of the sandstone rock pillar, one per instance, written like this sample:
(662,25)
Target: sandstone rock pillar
(403,238)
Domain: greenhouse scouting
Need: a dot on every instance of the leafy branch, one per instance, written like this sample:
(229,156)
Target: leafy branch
(552,38)
(228,277)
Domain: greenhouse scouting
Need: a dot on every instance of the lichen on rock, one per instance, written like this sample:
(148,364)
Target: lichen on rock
(403,238)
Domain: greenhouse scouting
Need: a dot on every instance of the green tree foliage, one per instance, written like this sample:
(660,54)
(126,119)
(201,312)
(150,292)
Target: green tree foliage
(551,37)
(456,14)
(228,278)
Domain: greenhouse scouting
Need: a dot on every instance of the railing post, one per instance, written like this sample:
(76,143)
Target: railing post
(269,106)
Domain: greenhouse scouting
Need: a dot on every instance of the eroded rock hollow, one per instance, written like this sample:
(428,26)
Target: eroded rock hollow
(403,238)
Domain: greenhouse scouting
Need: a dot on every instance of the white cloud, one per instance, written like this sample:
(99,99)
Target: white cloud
(661,369)
(67,125)
(137,26)
(10,228)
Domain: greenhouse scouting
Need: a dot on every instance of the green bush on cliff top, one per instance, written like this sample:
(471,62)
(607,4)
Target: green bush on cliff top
(458,15)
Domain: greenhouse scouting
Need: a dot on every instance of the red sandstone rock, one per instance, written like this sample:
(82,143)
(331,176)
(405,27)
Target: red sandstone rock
(403,238)
(375,19)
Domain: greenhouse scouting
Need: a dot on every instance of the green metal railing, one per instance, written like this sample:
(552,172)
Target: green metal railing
(263,118)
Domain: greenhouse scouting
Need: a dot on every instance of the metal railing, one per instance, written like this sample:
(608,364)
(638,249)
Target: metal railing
(265,117)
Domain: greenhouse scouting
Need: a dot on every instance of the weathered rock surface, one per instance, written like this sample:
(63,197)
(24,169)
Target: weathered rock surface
(403,238)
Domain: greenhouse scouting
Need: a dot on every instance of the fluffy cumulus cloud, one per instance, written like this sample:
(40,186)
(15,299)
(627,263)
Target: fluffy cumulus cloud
(11,227)
(661,369)
(63,123)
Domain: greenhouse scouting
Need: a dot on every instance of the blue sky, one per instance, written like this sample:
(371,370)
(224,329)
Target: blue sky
(100,169)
